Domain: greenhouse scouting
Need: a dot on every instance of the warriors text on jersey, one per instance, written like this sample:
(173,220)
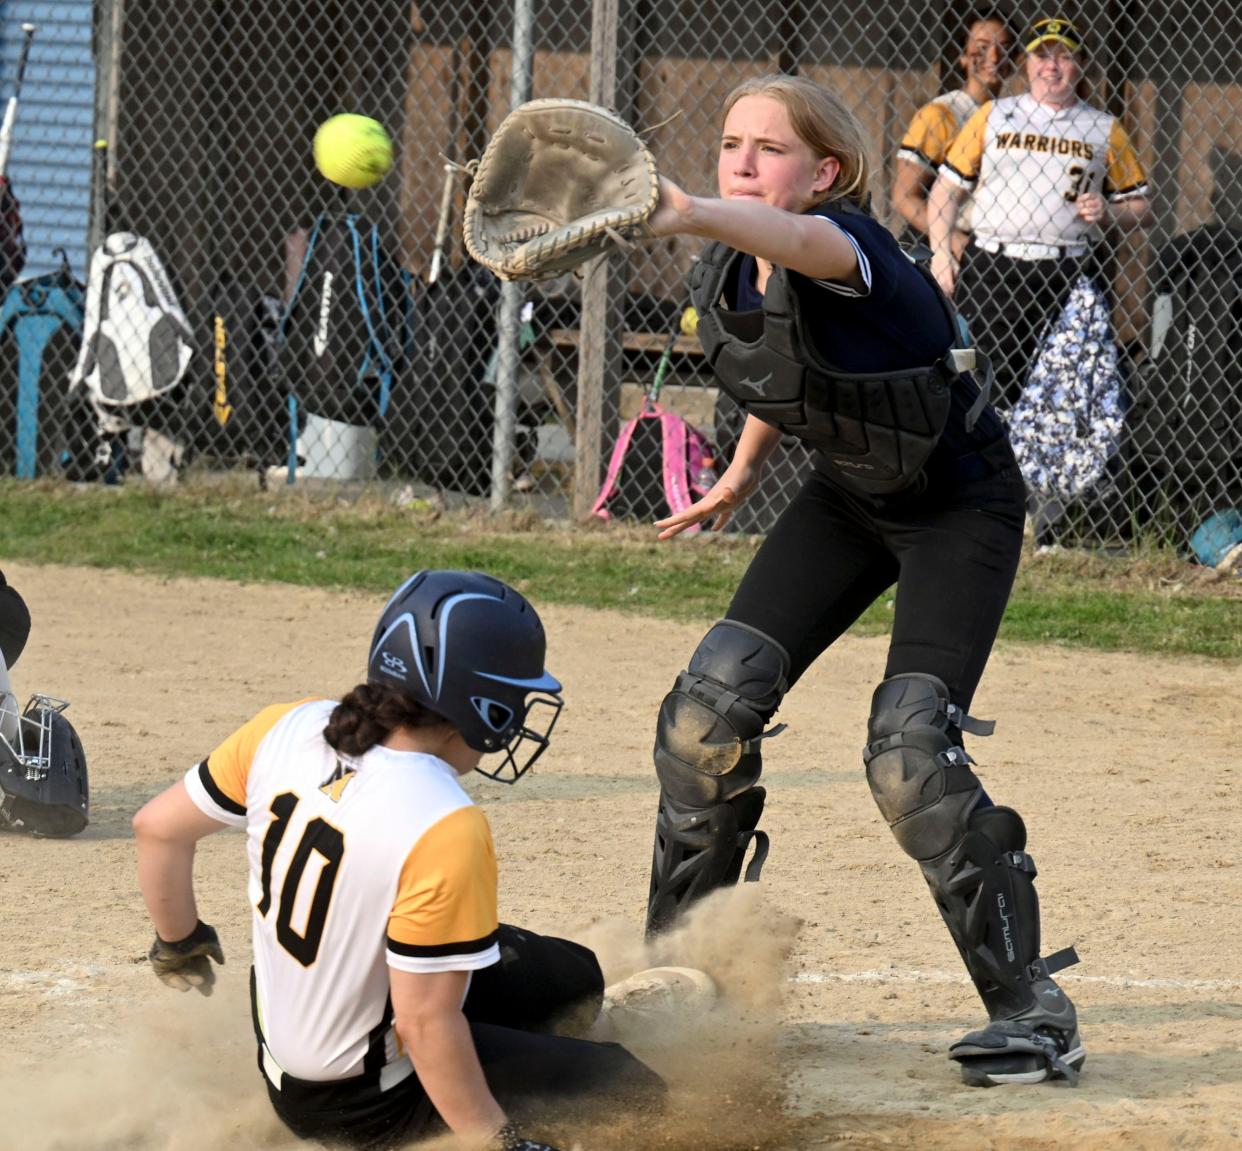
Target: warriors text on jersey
(355,866)
(1026,165)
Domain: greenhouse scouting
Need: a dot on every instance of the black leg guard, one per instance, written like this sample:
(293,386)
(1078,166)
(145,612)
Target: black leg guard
(697,851)
(975,862)
(708,761)
(985,889)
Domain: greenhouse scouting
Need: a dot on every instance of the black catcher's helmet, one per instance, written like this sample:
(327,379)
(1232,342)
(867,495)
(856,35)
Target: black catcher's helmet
(470,649)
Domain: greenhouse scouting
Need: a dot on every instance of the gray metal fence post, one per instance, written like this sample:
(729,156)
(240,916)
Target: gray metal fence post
(508,327)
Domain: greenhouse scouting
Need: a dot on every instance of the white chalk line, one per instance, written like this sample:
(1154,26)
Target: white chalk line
(914,976)
(60,983)
(55,982)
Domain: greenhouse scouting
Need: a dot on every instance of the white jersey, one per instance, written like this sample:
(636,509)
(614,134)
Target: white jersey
(355,866)
(1026,165)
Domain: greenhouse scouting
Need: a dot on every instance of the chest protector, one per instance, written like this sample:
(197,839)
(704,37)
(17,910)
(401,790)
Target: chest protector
(875,430)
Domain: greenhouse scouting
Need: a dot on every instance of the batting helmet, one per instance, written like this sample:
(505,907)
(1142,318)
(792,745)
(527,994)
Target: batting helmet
(471,649)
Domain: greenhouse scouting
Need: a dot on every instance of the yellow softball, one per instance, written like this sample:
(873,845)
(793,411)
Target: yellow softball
(353,151)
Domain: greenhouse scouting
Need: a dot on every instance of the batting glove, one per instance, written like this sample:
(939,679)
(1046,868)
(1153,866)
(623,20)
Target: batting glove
(184,964)
(509,1138)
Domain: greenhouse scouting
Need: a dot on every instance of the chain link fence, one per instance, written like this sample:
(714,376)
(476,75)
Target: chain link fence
(257,317)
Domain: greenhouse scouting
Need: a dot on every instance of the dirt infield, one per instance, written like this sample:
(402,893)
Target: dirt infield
(1125,768)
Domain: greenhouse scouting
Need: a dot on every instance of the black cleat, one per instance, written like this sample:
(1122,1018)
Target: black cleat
(1040,1044)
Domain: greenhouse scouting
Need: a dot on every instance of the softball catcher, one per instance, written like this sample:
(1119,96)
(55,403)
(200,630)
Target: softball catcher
(818,326)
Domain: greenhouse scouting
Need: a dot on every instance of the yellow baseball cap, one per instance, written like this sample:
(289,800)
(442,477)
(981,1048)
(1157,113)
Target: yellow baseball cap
(1053,30)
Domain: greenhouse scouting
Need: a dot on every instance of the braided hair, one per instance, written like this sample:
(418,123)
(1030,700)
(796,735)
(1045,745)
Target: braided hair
(368,713)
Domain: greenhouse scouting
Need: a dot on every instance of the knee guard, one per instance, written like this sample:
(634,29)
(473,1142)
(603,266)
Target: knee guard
(973,857)
(43,781)
(919,774)
(708,761)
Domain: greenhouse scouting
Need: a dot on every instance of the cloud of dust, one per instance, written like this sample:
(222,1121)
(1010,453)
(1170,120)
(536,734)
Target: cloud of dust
(724,1068)
(180,1073)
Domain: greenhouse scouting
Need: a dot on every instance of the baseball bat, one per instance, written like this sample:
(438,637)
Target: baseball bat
(446,204)
(10,111)
(99,194)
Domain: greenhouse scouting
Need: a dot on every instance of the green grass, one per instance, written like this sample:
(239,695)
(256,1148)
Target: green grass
(1151,602)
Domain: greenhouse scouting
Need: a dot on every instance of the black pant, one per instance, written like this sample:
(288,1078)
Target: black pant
(1007,304)
(952,551)
(540,983)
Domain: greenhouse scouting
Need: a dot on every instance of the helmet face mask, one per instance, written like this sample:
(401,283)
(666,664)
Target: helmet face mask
(470,649)
(528,742)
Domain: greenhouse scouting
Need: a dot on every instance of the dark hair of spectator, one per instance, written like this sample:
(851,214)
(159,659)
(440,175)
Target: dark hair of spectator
(991,15)
(369,713)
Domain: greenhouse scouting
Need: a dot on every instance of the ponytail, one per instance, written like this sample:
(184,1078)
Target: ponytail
(369,713)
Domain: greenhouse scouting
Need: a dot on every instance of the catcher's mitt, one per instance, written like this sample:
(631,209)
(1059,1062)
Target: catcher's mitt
(560,182)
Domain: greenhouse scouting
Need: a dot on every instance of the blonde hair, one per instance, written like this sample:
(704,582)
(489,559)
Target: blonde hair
(823,122)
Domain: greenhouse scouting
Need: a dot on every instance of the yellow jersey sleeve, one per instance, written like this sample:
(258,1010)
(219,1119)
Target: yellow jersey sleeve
(964,156)
(444,916)
(1125,176)
(929,135)
(223,774)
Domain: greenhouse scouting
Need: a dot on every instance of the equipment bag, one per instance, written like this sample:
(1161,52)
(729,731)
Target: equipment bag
(1066,425)
(1217,539)
(339,347)
(12,236)
(445,415)
(1188,410)
(136,344)
(660,463)
(41,326)
(236,406)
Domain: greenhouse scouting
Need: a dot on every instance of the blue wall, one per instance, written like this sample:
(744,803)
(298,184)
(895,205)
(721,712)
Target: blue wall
(50,163)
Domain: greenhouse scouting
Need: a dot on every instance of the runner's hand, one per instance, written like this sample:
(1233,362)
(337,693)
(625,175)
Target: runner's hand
(184,964)
(509,1138)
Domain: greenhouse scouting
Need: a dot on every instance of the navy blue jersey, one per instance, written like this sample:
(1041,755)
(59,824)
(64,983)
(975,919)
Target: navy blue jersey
(895,321)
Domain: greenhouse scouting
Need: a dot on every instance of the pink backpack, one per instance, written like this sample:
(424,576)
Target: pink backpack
(649,478)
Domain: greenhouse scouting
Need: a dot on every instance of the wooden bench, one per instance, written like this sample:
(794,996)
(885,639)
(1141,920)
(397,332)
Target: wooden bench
(632,341)
(651,343)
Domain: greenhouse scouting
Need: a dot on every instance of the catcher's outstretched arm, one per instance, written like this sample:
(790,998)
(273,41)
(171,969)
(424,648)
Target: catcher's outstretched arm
(806,244)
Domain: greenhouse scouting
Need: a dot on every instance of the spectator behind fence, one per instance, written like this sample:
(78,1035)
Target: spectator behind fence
(1047,171)
(986,62)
